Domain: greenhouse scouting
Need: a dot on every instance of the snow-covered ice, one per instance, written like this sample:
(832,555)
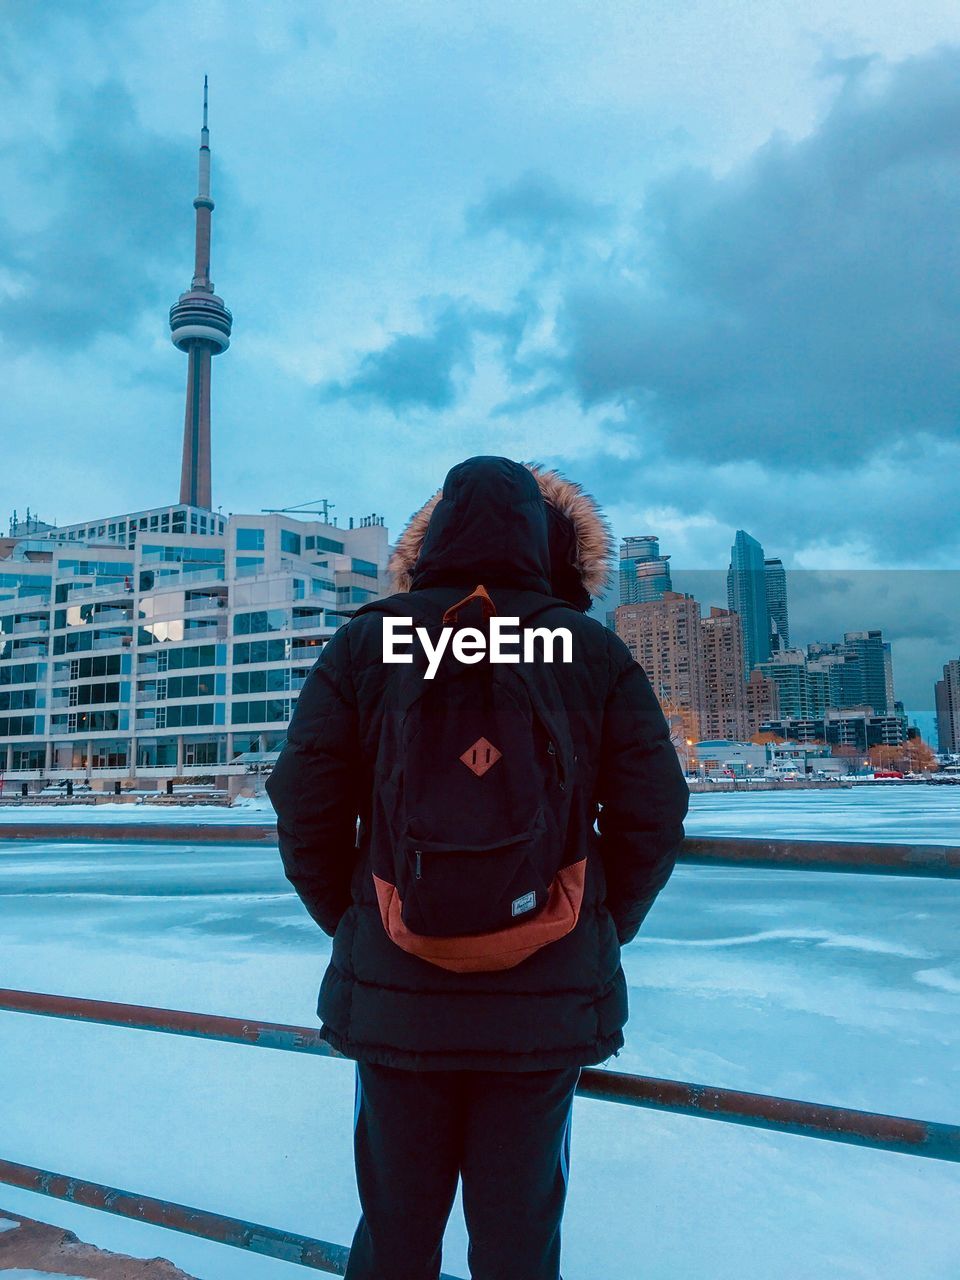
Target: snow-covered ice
(835,988)
(17,1273)
(883,813)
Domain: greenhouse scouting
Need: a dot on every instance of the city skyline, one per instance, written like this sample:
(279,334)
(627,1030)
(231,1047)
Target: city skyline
(492,310)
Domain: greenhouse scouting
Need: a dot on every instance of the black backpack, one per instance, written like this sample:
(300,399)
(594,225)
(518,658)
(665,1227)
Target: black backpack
(471,800)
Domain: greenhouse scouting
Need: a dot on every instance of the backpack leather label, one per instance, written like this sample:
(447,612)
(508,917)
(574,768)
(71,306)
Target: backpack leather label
(483,755)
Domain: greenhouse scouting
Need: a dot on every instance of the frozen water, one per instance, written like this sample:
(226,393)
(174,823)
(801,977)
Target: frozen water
(886,813)
(834,988)
(17,1273)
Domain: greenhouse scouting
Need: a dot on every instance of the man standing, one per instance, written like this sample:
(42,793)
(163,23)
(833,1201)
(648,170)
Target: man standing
(477,898)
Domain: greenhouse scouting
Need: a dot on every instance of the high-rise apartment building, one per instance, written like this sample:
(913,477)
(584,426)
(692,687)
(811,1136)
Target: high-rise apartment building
(869,671)
(762,701)
(725,704)
(775,580)
(665,637)
(947,692)
(694,664)
(644,572)
(747,596)
(788,673)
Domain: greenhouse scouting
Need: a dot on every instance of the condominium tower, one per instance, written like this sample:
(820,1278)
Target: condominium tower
(644,572)
(747,596)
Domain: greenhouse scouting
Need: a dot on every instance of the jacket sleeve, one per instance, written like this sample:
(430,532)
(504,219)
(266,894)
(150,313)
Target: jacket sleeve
(643,798)
(314,787)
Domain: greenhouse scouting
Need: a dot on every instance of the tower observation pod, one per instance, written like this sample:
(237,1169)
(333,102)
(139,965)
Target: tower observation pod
(200,325)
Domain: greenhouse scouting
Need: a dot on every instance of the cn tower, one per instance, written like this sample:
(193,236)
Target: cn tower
(199,325)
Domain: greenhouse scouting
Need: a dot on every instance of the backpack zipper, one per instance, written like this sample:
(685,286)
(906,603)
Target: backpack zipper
(417,873)
(552,751)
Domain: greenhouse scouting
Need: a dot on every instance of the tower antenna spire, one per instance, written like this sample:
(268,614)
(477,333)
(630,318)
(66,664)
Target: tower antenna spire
(200,325)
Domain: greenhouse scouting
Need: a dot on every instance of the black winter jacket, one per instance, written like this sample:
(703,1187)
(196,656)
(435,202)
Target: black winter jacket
(565,1005)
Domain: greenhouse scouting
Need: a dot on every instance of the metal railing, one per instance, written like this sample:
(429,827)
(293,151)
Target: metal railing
(782,1115)
(936,860)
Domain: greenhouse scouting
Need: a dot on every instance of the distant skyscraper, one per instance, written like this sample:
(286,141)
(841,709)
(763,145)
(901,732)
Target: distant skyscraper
(644,572)
(947,693)
(200,325)
(747,596)
(776,586)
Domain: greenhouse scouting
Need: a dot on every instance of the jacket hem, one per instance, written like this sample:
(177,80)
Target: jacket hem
(475,1060)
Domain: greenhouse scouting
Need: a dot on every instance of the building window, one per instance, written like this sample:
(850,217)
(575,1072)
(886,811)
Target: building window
(249,539)
(290,541)
(246,624)
(248,565)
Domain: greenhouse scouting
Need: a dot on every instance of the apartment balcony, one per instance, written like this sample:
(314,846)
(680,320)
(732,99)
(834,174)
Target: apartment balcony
(206,604)
(212,630)
(112,591)
(113,613)
(112,642)
(41,625)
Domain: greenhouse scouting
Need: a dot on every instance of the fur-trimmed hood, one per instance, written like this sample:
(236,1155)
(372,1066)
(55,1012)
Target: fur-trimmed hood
(581,543)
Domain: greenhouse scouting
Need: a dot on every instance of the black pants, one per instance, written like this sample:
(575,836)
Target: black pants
(506,1133)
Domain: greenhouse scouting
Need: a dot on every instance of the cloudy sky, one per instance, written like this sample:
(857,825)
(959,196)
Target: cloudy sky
(703,257)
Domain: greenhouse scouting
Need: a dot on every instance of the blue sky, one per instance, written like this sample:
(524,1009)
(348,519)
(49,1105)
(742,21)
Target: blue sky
(701,257)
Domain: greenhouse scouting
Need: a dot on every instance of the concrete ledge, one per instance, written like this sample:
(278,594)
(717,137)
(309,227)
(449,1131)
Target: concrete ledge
(141,832)
(36,1245)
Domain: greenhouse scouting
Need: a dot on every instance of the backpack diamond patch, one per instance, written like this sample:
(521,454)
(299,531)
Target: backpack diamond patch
(483,755)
